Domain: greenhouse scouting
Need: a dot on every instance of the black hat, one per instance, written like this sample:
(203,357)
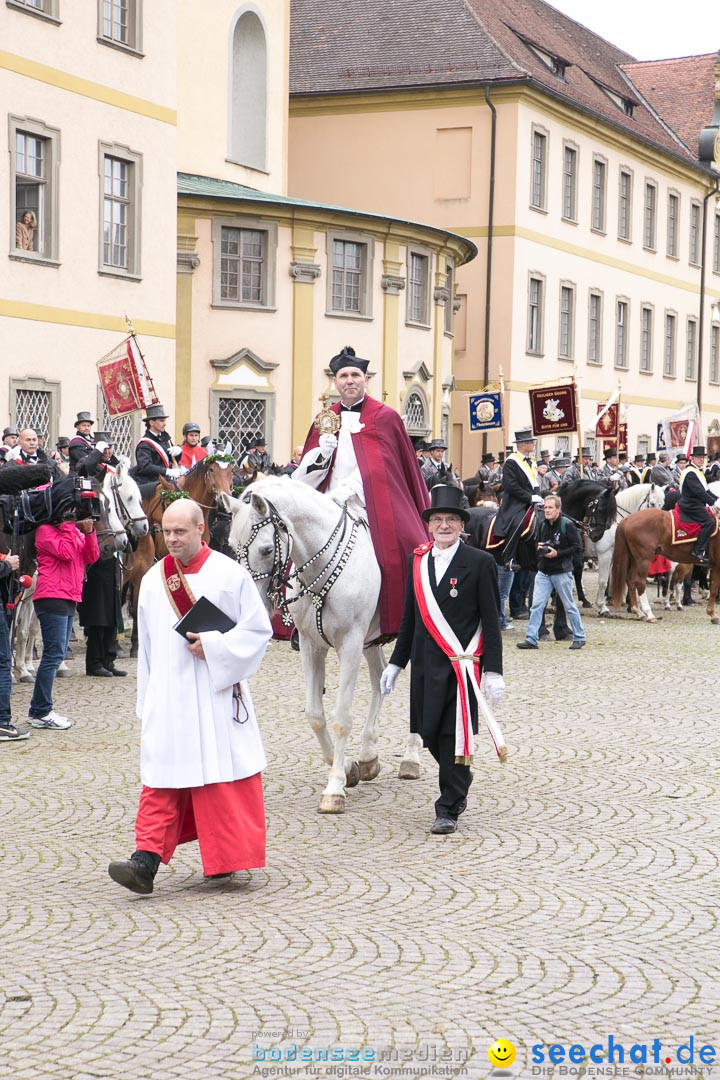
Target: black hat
(560,462)
(62,442)
(501,457)
(623,455)
(639,459)
(438,444)
(258,440)
(155,412)
(446,499)
(612,452)
(651,459)
(524,435)
(681,457)
(9,431)
(347,358)
(104,436)
(205,440)
(544,455)
(487,457)
(698,451)
(190,426)
(585,451)
(83,418)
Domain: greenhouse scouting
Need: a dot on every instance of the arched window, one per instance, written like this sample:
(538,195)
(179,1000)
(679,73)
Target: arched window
(248,92)
(416,414)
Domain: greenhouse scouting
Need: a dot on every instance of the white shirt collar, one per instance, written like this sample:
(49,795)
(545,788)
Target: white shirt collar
(445,554)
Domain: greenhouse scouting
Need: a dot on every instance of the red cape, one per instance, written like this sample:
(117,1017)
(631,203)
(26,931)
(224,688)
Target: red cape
(395,494)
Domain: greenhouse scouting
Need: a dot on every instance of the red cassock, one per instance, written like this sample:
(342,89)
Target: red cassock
(395,495)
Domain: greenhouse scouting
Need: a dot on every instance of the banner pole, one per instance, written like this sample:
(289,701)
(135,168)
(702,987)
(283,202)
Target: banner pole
(577,390)
(502,407)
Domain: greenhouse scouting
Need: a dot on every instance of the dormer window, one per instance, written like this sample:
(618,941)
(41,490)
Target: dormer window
(556,64)
(625,104)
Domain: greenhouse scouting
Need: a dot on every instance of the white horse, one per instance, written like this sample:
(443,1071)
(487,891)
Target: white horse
(629,501)
(124,501)
(333,596)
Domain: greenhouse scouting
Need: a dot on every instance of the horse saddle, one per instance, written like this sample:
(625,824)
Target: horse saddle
(684,532)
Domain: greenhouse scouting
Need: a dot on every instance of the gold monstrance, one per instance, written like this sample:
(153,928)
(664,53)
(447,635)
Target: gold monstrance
(327,422)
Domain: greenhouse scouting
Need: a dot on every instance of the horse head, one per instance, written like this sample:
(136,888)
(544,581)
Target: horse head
(601,512)
(110,531)
(259,539)
(123,493)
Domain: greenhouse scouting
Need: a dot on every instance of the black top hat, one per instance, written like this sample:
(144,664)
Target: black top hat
(258,440)
(62,442)
(501,457)
(155,412)
(612,452)
(622,455)
(639,459)
(205,440)
(347,358)
(83,418)
(438,444)
(445,499)
(651,459)
(544,455)
(487,457)
(104,436)
(585,451)
(698,451)
(560,462)
(9,431)
(524,435)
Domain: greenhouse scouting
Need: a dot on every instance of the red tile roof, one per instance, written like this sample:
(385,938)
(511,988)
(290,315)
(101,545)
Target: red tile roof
(681,92)
(373,45)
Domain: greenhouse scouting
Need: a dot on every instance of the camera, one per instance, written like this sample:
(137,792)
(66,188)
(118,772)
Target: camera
(544,548)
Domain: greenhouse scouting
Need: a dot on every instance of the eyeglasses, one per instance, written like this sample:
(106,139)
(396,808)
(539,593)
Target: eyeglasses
(445,519)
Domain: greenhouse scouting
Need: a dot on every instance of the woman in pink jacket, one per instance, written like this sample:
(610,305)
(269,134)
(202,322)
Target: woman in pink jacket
(63,551)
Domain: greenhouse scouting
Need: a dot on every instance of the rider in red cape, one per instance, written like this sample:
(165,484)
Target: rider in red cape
(372,462)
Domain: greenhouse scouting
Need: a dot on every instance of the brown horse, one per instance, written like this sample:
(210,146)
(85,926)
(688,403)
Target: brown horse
(204,483)
(638,538)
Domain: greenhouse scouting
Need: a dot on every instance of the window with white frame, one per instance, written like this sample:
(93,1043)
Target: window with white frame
(622,311)
(567,322)
(244,262)
(538,188)
(416,413)
(673,221)
(121,184)
(716,245)
(625,205)
(595,328)
(650,218)
(536,290)
(350,274)
(646,338)
(644,443)
(34,156)
(120,23)
(715,354)
(450,286)
(599,194)
(570,160)
(45,8)
(691,350)
(670,345)
(418,287)
(34,403)
(694,233)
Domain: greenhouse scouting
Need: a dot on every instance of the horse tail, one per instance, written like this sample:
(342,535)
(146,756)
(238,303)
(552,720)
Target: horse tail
(620,567)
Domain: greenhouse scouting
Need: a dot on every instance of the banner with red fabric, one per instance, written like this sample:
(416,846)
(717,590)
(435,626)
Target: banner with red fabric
(619,444)
(713,444)
(124,379)
(606,426)
(553,409)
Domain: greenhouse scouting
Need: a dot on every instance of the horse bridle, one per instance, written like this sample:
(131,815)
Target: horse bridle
(278,576)
(121,507)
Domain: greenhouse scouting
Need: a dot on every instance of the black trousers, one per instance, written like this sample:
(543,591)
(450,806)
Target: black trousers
(454,780)
(101,648)
(706,531)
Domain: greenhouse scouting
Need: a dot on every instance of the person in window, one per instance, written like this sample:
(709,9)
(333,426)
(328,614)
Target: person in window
(25,231)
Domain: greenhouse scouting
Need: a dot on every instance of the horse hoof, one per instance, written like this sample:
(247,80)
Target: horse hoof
(352,778)
(332,804)
(409,770)
(63,673)
(604,614)
(715,621)
(133,654)
(369,769)
(26,678)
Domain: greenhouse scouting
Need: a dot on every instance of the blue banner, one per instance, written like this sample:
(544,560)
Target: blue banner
(486,411)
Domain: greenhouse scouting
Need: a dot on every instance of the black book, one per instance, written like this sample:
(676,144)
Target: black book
(204,616)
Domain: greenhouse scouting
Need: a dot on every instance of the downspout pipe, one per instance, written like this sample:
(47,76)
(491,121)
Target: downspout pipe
(488,259)
(701,320)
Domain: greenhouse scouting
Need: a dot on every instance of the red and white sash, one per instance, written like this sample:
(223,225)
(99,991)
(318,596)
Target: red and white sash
(177,589)
(465,663)
(164,456)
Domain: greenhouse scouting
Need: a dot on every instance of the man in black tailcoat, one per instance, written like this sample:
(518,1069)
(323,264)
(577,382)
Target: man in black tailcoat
(694,500)
(520,490)
(463,582)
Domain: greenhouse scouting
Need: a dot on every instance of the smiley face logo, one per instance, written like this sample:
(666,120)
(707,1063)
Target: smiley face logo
(501,1054)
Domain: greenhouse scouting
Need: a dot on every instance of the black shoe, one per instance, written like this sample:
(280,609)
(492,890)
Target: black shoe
(443,826)
(526,645)
(117,672)
(135,874)
(99,673)
(228,876)
(462,807)
(701,557)
(577,645)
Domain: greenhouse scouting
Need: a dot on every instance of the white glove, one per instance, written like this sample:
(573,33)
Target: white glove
(173,474)
(494,687)
(175,451)
(341,494)
(183,470)
(327,444)
(388,678)
(538,500)
(101,446)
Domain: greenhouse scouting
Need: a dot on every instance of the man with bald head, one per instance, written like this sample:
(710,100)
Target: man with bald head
(201,755)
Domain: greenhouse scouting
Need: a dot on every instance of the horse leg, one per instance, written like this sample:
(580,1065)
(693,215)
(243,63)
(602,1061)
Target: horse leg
(369,763)
(638,583)
(342,772)
(714,586)
(25,632)
(409,768)
(604,565)
(313,662)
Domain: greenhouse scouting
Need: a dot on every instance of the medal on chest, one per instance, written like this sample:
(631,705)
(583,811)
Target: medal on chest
(453,586)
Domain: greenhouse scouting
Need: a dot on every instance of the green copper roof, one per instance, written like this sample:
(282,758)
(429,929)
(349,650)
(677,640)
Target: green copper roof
(211,188)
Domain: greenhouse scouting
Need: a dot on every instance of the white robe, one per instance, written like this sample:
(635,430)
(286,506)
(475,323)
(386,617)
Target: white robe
(190,736)
(345,475)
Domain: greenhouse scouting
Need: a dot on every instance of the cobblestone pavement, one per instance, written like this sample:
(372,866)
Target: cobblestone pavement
(578,899)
